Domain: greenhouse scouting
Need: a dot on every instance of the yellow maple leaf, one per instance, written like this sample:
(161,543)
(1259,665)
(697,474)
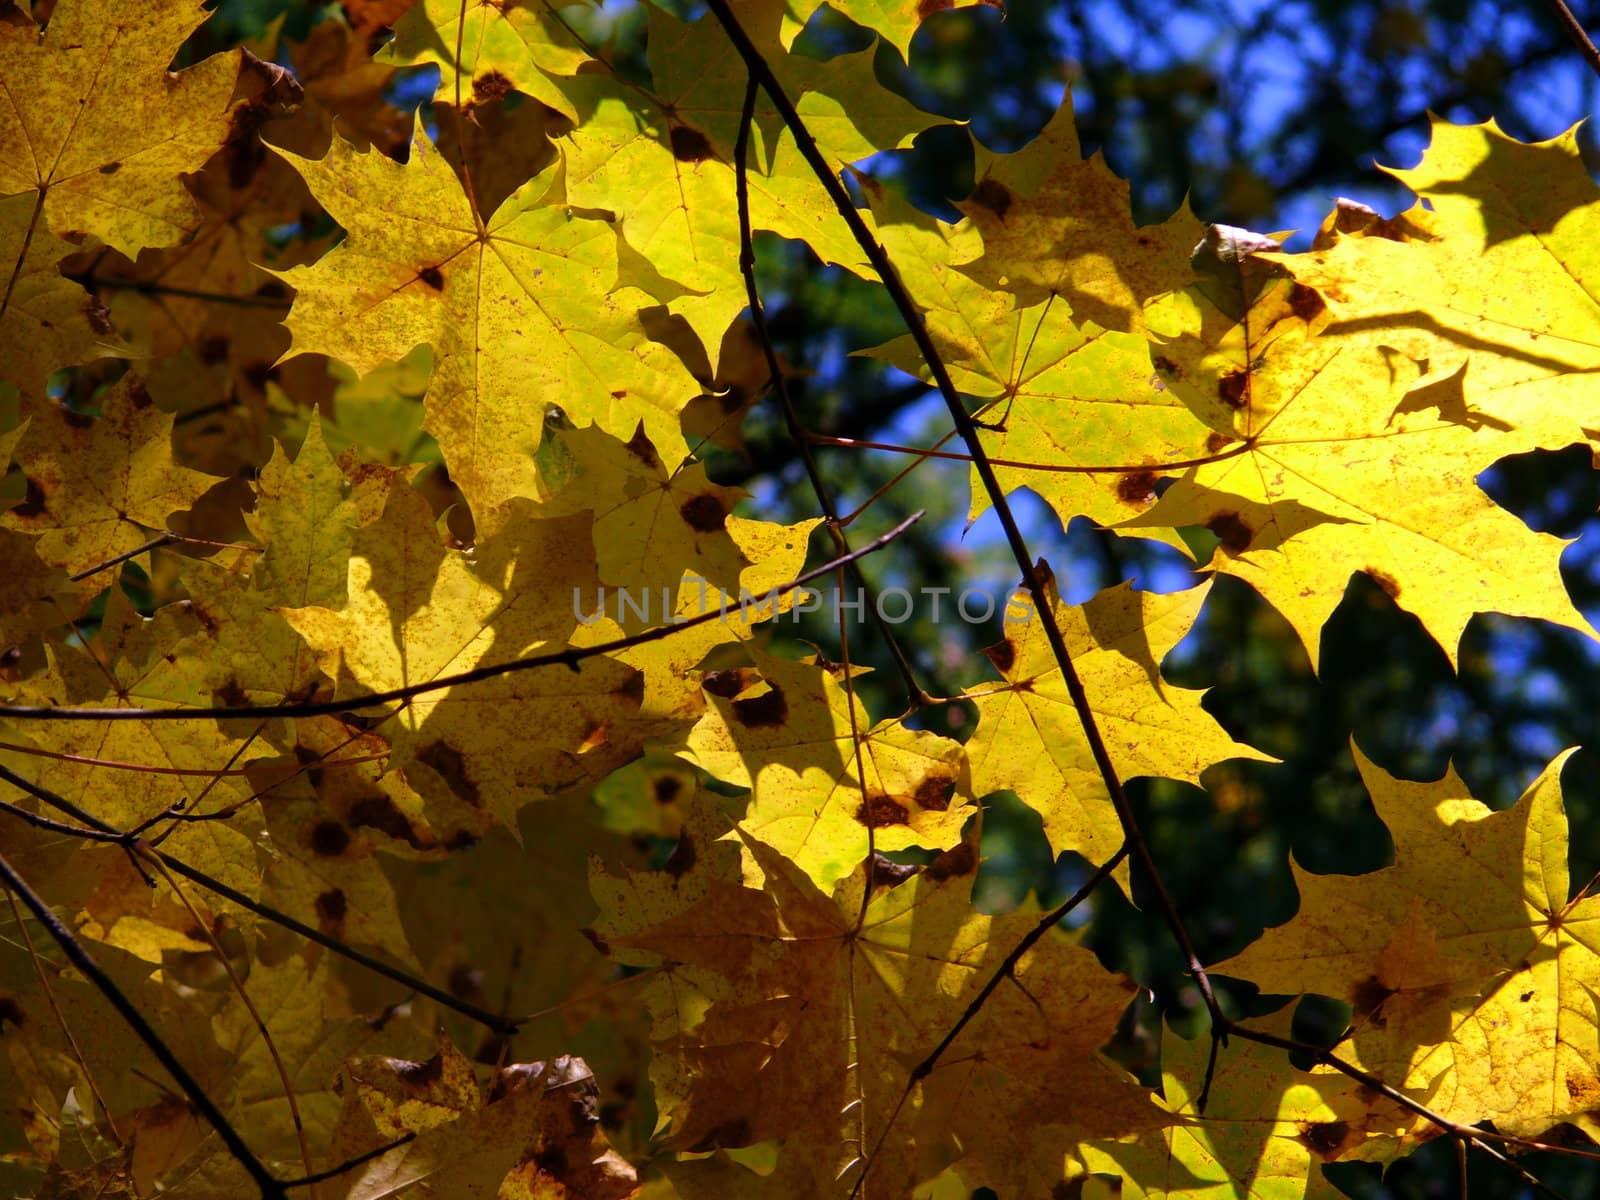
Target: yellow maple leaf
(1080,404)
(95,128)
(486,49)
(99,487)
(651,525)
(1264,1132)
(801,994)
(519,309)
(1056,224)
(1030,741)
(819,780)
(46,321)
(1337,454)
(1491,277)
(662,160)
(1473,986)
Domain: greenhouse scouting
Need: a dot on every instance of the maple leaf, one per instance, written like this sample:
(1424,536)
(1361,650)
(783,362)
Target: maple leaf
(1029,739)
(680,137)
(533,1135)
(1264,1132)
(99,487)
(1339,469)
(48,322)
(802,1001)
(896,20)
(486,49)
(519,310)
(1476,989)
(1492,282)
(650,525)
(1078,405)
(98,131)
(1056,225)
(820,778)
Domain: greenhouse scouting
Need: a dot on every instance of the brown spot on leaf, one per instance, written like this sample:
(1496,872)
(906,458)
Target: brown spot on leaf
(993,195)
(465,980)
(704,513)
(331,907)
(1137,487)
(959,860)
(420,1074)
(1003,655)
(1306,303)
(1584,1090)
(1164,364)
(1233,387)
(1324,1138)
(726,684)
(631,690)
(1386,581)
(926,8)
(111,168)
(433,277)
(690,145)
(33,501)
(683,856)
(878,811)
(888,873)
(763,711)
(620,394)
(379,812)
(934,793)
(1231,531)
(490,86)
(1216,441)
(212,349)
(329,839)
(230,695)
(1368,996)
(448,762)
(665,788)
(1525,997)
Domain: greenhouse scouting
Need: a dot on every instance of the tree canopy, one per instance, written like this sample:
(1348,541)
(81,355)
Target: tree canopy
(784,599)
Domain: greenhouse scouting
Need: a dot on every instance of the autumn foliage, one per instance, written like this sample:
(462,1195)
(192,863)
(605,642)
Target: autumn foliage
(307,403)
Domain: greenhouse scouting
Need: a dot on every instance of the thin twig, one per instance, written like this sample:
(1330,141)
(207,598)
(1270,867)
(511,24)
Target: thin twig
(350,1164)
(1576,32)
(270,1188)
(1032,579)
(1004,971)
(569,658)
(61,1017)
(100,831)
(916,697)
(824,439)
